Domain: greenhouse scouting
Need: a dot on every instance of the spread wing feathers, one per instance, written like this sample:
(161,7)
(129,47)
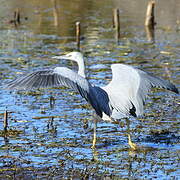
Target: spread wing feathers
(129,88)
(62,76)
(122,91)
(149,79)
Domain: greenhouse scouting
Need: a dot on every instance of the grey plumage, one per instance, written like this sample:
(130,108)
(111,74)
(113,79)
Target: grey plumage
(62,76)
(123,96)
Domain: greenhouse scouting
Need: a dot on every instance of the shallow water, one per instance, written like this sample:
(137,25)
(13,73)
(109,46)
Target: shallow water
(59,136)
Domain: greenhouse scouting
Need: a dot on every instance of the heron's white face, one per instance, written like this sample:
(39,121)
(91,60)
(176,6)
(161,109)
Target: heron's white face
(73,56)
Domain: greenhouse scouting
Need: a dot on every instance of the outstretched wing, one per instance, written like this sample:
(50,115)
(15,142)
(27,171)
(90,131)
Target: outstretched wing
(129,88)
(62,76)
(49,78)
(148,81)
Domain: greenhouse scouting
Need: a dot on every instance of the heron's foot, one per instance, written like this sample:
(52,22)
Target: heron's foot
(94,143)
(132,145)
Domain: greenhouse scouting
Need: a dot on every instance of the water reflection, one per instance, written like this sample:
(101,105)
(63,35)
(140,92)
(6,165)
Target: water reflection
(57,138)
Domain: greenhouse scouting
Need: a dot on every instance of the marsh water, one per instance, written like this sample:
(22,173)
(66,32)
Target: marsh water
(52,138)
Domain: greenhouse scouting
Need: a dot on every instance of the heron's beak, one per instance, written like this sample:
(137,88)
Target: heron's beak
(60,57)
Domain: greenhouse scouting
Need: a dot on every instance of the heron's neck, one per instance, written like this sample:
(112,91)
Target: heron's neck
(81,65)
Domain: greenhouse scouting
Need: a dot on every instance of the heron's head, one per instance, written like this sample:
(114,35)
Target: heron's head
(73,56)
(78,58)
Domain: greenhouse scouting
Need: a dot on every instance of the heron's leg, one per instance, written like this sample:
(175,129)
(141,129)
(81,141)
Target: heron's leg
(131,144)
(94,134)
(85,124)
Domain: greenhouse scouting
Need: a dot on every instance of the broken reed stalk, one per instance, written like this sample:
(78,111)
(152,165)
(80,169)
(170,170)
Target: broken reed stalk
(78,33)
(55,12)
(52,101)
(149,21)
(17,18)
(116,23)
(5,121)
(150,33)
(52,120)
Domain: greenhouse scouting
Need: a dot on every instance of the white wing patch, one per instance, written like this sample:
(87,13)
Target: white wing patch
(123,91)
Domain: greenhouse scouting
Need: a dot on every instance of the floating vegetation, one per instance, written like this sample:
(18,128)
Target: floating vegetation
(11,132)
(30,93)
(160,132)
(166,52)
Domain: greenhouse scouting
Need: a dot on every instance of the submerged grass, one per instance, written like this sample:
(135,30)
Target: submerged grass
(10,132)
